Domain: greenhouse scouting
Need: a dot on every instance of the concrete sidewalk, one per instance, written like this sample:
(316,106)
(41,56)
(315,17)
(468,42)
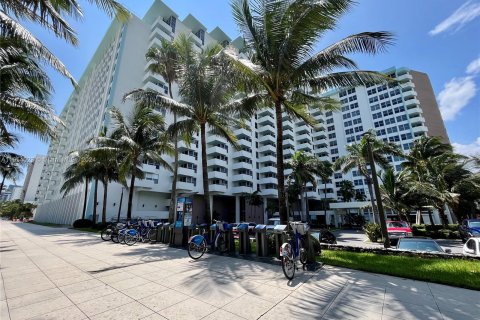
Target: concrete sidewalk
(56,273)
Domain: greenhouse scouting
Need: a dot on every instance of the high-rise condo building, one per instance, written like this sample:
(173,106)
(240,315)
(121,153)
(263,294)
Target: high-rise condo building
(399,114)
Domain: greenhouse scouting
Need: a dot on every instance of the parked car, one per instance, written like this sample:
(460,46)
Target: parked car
(472,247)
(469,228)
(398,229)
(420,244)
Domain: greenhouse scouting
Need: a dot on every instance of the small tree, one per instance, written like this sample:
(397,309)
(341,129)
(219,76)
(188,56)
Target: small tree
(347,190)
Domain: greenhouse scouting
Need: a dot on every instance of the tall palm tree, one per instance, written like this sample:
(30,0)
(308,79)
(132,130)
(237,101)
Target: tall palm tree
(10,166)
(81,170)
(208,89)
(357,158)
(347,190)
(164,61)
(280,38)
(138,138)
(304,167)
(51,15)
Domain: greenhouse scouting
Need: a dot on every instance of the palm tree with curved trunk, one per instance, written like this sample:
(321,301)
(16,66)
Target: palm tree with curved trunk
(394,190)
(81,170)
(164,61)
(10,166)
(137,138)
(357,158)
(280,38)
(209,100)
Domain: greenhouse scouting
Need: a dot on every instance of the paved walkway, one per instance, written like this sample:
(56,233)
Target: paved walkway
(56,273)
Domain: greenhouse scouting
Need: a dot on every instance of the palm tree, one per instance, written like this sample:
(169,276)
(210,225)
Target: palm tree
(280,38)
(24,92)
(357,158)
(394,190)
(164,61)
(207,87)
(51,15)
(140,137)
(10,166)
(81,170)
(324,172)
(304,170)
(347,190)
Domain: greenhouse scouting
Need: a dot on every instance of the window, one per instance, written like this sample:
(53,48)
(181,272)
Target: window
(345,108)
(403,127)
(359,129)
(342,94)
(329,114)
(377,115)
(354,105)
(344,100)
(347,123)
(392,130)
(358,182)
(350,91)
(375,107)
(383,96)
(373,99)
(396,101)
(346,116)
(352,98)
(329,120)
(406,136)
(338,184)
(378,124)
(332,136)
(381,132)
(350,139)
(385,104)
(389,121)
(357,121)
(333,143)
(395,92)
(334,159)
(349,131)
(371,91)
(331,128)
(387,112)
(382,88)
(402,118)
(394,139)
(355,113)
(399,109)
(337,175)
(334,151)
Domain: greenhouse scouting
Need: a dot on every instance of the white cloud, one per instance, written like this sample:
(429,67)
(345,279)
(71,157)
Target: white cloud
(474,66)
(466,13)
(456,94)
(468,149)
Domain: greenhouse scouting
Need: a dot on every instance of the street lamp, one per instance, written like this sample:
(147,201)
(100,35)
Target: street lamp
(376,187)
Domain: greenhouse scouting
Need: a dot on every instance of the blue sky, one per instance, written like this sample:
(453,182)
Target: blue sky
(438,37)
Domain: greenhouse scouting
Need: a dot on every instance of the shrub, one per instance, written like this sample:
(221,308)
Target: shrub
(82,223)
(419,232)
(373,231)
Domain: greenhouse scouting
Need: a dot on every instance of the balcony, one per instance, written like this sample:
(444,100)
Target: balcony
(305,136)
(217,188)
(417,119)
(186,172)
(266,128)
(269,169)
(419,129)
(217,162)
(305,146)
(159,23)
(217,175)
(184,186)
(269,192)
(244,142)
(212,138)
(267,148)
(196,40)
(241,154)
(289,142)
(287,124)
(217,150)
(156,36)
(242,189)
(414,110)
(242,132)
(288,133)
(265,112)
(404,77)
(286,172)
(266,138)
(242,177)
(267,159)
(268,180)
(319,134)
(187,158)
(288,151)
(145,184)
(242,165)
(266,119)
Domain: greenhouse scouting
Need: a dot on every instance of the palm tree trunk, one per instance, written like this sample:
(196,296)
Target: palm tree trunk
(95,200)
(372,200)
(325,204)
(104,207)
(303,207)
(85,199)
(1,185)
(206,193)
(130,196)
(173,200)
(282,205)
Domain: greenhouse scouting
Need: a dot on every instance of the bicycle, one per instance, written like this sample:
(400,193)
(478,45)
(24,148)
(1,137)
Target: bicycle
(292,250)
(198,244)
(111,231)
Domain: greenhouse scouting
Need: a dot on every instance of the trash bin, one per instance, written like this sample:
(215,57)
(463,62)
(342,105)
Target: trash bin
(178,234)
(159,232)
(244,239)
(229,239)
(171,231)
(211,234)
(280,237)
(166,233)
(261,239)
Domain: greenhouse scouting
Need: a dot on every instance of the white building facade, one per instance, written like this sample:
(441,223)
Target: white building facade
(399,114)
(32,179)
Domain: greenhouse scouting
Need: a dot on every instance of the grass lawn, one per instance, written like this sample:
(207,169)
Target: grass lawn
(455,272)
(45,224)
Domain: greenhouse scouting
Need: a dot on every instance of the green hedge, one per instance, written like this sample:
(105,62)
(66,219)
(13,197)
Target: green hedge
(436,231)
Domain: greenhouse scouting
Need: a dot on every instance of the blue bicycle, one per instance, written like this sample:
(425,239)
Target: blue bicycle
(292,251)
(198,244)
